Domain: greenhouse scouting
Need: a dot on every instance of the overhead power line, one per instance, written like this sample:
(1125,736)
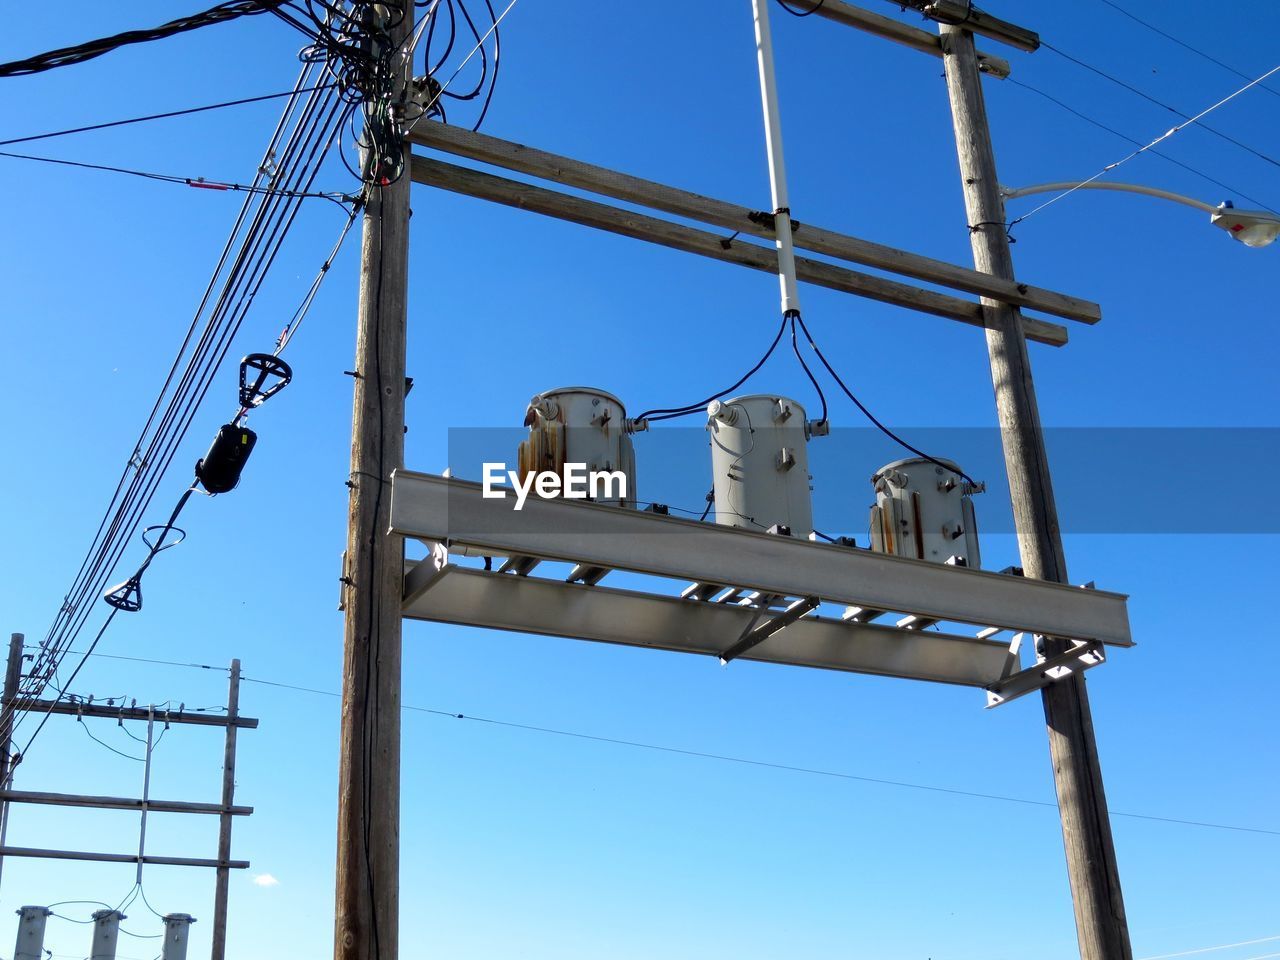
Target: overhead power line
(161,116)
(698,754)
(198,182)
(1160,103)
(1143,149)
(1182,43)
(291,162)
(88,50)
(1137,143)
(1221,946)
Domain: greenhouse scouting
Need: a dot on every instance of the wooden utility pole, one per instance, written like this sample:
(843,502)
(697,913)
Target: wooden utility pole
(1091,858)
(366,916)
(223,875)
(12,677)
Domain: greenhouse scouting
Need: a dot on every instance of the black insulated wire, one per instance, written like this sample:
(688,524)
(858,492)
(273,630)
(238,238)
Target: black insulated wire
(670,413)
(871,416)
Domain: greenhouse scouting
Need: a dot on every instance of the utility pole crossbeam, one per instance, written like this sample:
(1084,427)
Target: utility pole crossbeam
(367,894)
(616,185)
(627,223)
(1091,860)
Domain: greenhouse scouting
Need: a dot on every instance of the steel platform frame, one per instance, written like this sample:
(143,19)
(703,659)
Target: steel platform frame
(754,595)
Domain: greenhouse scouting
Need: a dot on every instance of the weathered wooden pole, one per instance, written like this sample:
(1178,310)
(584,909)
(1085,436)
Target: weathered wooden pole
(221,889)
(1086,829)
(367,917)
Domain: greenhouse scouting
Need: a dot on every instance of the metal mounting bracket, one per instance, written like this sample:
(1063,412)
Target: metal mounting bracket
(1081,655)
(757,633)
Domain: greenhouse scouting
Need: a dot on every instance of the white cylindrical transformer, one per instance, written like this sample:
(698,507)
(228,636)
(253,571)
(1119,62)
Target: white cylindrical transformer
(759,463)
(924,510)
(31,933)
(585,430)
(106,931)
(176,928)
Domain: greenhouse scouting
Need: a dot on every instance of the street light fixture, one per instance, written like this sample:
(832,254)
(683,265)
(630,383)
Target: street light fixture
(1253,228)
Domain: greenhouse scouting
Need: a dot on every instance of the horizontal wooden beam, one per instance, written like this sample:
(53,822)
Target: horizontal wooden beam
(136,713)
(119,803)
(45,854)
(682,203)
(899,32)
(524,196)
(963,13)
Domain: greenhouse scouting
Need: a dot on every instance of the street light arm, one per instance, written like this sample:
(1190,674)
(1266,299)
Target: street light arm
(1012,194)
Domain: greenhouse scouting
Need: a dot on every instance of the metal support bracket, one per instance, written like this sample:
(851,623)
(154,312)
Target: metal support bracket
(758,633)
(1082,655)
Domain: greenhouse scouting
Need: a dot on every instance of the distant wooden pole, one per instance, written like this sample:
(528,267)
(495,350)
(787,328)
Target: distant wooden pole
(12,677)
(221,889)
(366,919)
(1091,858)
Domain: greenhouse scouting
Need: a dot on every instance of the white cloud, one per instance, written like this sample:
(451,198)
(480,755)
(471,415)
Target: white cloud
(265,880)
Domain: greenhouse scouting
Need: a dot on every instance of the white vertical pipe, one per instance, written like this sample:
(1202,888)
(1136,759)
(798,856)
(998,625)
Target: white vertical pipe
(176,928)
(30,944)
(106,931)
(146,791)
(777,165)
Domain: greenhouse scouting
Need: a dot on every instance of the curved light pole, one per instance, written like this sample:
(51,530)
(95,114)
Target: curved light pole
(1253,228)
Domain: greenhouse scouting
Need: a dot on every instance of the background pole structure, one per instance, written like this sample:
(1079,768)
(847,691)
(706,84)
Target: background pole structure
(8,713)
(222,879)
(366,917)
(1086,830)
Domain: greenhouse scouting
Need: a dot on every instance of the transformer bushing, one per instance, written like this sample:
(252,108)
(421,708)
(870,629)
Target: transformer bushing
(177,926)
(30,944)
(106,931)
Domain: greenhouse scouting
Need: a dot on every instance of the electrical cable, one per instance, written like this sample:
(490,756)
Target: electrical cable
(79,53)
(198,182)
(670,413)
(1182,43)
(297,164)
(298,688)
(1221,946)
(872,417)
(1160,103)
(795,348)
(1143,149)
(159,116)
(1137,143)
(817,5)
(814,771)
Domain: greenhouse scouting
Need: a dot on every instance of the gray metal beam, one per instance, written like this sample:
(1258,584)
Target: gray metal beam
(446,509)
(502,601)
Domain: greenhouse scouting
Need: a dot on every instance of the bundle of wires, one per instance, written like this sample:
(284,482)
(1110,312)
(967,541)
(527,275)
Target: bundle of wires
(309,127)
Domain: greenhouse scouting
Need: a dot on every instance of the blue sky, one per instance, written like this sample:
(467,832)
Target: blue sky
(526,844)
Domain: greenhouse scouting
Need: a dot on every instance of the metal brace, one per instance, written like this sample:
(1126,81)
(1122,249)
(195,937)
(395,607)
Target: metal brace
(758,633)
(1082,655)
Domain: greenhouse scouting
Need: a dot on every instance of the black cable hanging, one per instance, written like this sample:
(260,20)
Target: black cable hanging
(670,413)
(872,417)
(95,48)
